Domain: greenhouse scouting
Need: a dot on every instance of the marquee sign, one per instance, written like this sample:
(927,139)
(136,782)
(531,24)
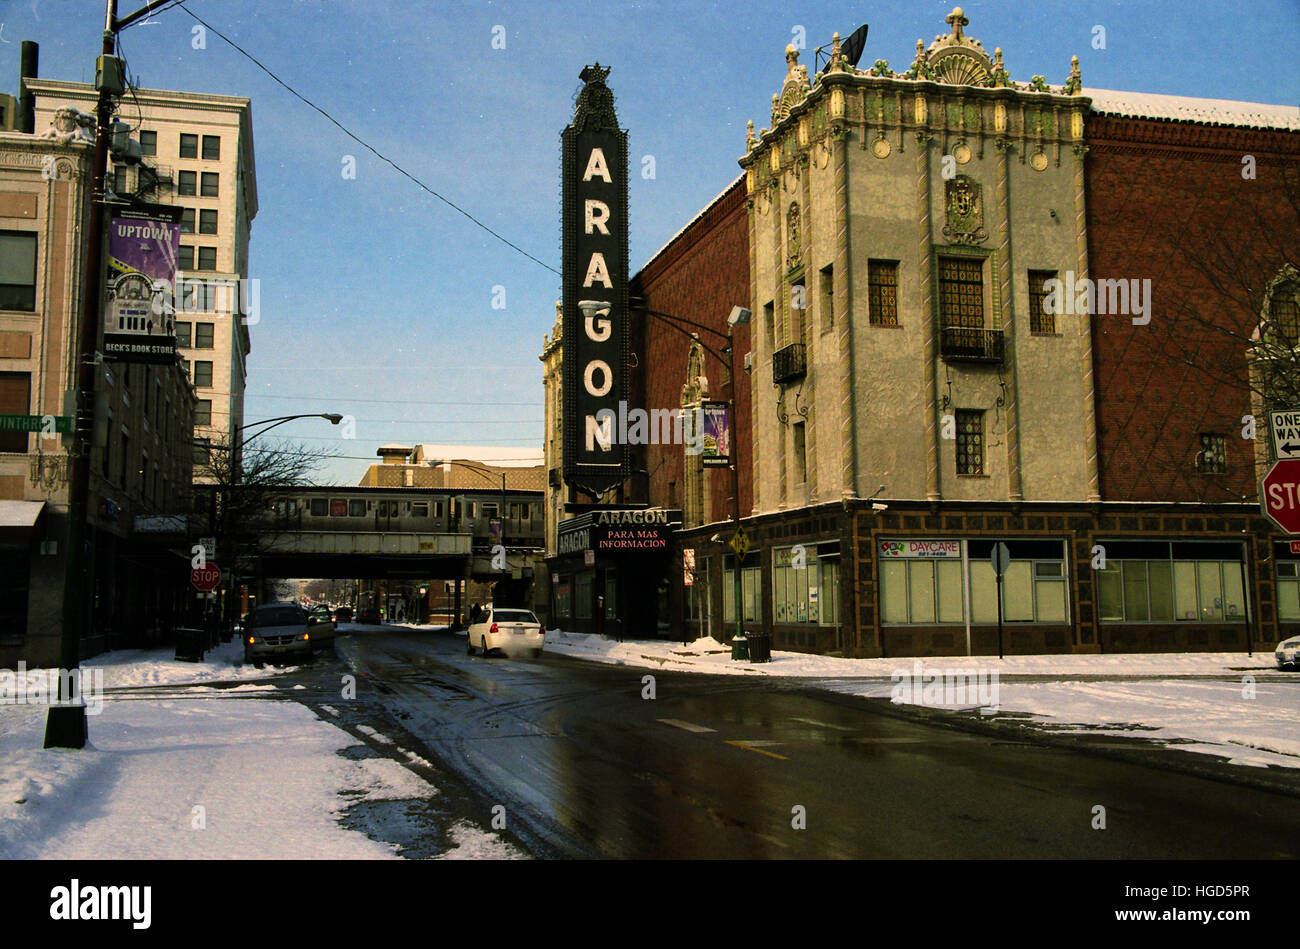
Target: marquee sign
(618,530)
(594,229)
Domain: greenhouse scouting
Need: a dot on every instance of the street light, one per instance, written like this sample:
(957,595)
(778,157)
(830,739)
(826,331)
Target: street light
(236,471)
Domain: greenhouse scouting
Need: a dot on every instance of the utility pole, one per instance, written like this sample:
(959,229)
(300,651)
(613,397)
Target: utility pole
(65,725)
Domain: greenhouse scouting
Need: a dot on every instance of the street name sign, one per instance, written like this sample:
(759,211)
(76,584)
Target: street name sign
(1279,494)
(1285,426)
(49,424)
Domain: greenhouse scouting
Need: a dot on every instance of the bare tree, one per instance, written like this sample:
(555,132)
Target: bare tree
(245,497)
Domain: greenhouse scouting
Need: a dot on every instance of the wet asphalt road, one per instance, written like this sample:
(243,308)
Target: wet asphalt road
(732,767)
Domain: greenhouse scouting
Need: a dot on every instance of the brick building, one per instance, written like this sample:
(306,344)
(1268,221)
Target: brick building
(988,312)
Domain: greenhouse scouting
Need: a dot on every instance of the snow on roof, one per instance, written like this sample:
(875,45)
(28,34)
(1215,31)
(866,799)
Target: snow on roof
(502,457)
(703,211)
(1149,105)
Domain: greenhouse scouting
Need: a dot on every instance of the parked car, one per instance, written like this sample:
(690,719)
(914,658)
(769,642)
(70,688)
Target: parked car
(277,630)
(343,615)
(508,629)
(1288,653)
(369,614)
(323,628)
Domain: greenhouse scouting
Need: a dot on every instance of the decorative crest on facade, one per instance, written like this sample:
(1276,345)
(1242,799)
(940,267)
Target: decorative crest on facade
(595,105)
(965,212)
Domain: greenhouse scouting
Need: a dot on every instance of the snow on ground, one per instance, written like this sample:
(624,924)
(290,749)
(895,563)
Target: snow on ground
(190,778)
(1250,721)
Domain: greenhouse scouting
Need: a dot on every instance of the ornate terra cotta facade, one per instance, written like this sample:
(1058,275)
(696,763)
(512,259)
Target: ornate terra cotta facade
(964,335)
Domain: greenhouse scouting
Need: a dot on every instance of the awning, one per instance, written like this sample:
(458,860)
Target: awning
(20,518)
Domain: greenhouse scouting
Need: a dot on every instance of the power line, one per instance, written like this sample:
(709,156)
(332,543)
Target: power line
(348,398)
(370,148)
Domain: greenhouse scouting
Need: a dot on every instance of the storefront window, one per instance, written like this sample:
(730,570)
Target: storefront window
(805,586)
(750,585)
(921,582)
(564,599)
(582,595)
(1193,581)
(1288,590)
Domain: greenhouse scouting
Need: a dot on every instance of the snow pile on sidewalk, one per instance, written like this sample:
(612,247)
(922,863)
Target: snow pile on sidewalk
(247,775)
(1250,715)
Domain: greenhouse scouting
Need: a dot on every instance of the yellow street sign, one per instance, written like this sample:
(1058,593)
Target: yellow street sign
(740,543)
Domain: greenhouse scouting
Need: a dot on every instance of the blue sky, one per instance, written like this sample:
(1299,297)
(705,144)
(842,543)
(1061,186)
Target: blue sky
(377,298)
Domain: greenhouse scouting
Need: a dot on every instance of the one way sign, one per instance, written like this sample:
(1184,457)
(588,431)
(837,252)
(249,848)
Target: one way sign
(1286,433)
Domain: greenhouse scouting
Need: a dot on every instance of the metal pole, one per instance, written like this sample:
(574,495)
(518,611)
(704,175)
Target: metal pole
(65,724)
(739,647)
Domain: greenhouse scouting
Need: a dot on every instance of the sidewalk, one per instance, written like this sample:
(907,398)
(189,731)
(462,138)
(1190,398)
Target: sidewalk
(201,773)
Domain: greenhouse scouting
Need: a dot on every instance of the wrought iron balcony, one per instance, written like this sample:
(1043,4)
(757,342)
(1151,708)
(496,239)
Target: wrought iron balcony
(968,344)
(789,364)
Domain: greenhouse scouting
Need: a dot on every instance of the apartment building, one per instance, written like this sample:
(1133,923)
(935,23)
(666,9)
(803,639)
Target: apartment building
(140,456)
(198,155)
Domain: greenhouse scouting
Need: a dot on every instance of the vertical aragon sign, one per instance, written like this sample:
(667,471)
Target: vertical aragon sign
(594,228)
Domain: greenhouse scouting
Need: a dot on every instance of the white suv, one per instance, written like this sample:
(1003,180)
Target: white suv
(508,629)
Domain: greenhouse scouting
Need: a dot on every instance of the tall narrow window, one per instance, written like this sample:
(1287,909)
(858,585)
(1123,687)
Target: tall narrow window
(211,147)
(882,292)
(826,298)
(189,145)
(800,454)
(207,258)
(183,335)
(1286,314)
(203,374)
(203,412)
(1040,320)
(961,292)
(208,184)
(970,442)
(203,337)
(769,325)
(207,221)
(15,399)
(187,221)
(798,311)
(185,258)
(148,143)
(187,182)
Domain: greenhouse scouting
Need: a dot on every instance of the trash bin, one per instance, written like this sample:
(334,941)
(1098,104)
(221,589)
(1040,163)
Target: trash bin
(739,648)
(760,647)
(190,643)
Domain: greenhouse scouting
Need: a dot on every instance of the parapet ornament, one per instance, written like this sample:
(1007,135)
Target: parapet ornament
(71,127)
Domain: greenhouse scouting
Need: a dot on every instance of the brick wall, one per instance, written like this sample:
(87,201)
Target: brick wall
(1168,202)
(700,276)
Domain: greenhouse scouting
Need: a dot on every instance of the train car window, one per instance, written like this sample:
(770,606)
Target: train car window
(356,509)
(420,509)
(320,507)
(437,509)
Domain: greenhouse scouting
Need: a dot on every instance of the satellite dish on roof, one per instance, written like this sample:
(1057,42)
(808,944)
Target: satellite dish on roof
(855,44)
(851,48)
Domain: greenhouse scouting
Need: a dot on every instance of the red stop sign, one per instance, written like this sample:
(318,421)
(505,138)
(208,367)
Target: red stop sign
(206,579)
(1280,494)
